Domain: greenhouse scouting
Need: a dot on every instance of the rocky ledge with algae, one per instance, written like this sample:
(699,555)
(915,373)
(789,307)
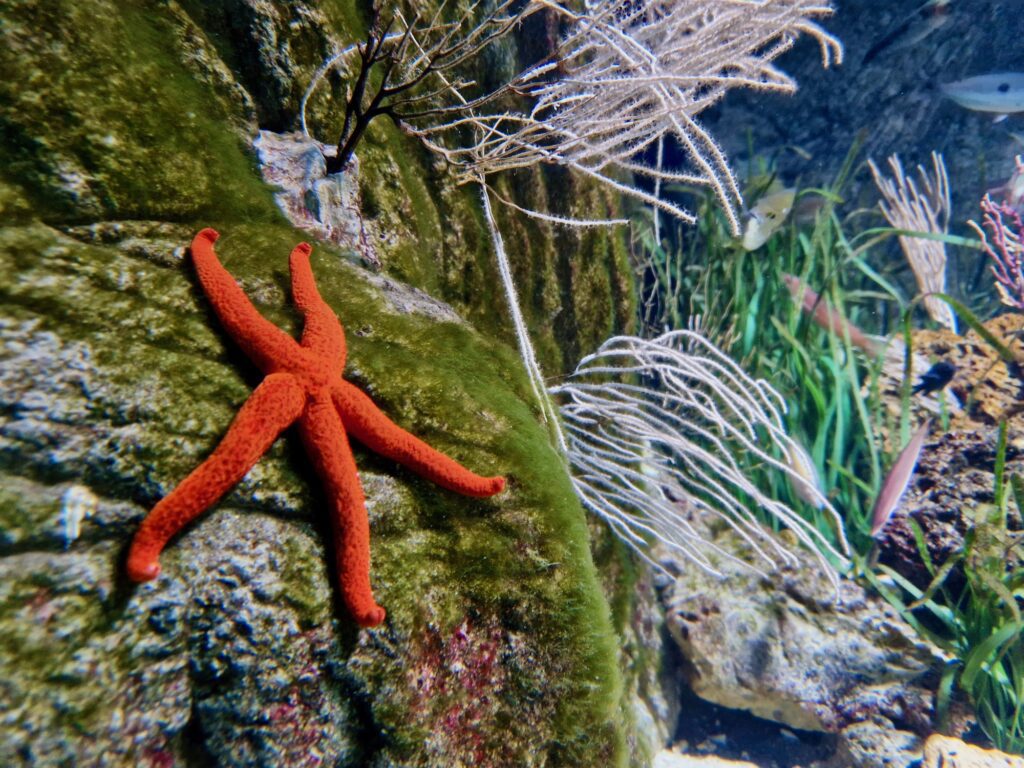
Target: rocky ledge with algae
(127,128)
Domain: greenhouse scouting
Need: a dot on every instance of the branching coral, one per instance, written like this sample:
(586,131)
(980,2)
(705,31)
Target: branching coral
(404,64)
(925,210)
(1004,247)
(621,79)
(624,78)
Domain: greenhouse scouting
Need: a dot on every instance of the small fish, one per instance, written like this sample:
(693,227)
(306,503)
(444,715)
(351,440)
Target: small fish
(767,215)
(898,480)
(1001,93)
(804,481)
(825,317)
(935,378)
(913,29)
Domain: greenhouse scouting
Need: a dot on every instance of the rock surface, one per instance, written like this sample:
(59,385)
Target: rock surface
(876,744)
(946,752)
(126,129)
(782,648)
(952,491)
(672,759)
(953,487)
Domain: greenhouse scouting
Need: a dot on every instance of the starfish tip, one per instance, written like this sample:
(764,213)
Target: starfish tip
(209,234)
(143,571)
(371,617)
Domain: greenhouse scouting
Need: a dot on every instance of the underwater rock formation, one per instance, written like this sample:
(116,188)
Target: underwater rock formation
(946,752)
(125,132)
(672,759)
(785,650)
(952,490)
(954,484)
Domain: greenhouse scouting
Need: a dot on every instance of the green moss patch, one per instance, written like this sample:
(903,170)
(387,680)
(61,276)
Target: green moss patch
(114,153)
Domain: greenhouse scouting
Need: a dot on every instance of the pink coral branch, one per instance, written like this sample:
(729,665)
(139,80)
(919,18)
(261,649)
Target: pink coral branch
(1002,242)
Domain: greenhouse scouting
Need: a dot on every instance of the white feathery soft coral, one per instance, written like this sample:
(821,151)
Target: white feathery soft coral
(656,423)
(626,77)
(920,210)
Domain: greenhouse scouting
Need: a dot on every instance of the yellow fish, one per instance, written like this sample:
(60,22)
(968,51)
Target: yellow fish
(767,215)
(804,481)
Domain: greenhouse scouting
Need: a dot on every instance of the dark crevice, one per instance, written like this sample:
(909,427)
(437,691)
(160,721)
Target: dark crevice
(734,734)
(193,744)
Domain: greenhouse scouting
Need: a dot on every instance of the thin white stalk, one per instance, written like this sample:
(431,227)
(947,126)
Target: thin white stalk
(529,357)
(561,220)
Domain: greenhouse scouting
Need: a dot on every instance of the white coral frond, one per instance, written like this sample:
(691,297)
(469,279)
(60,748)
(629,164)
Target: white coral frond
(625,77)
(655,428)
(920,210)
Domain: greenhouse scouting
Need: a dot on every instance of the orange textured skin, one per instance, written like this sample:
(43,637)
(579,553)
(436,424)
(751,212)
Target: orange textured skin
(303,383)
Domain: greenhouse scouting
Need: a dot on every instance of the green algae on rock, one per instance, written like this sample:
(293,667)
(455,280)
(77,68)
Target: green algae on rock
(438,561)
(117,378)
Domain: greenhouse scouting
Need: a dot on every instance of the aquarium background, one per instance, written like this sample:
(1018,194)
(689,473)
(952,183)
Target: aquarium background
(760,504)
(891,104)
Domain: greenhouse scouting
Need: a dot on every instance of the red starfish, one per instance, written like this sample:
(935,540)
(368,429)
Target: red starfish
(303,383)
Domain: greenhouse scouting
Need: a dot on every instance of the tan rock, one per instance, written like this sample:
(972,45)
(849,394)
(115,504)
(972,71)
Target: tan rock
(669,758)
(783,649)
(982,381)
(947,752)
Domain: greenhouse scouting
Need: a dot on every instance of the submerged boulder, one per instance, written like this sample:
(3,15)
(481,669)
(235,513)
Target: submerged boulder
(126,131)
(787,648)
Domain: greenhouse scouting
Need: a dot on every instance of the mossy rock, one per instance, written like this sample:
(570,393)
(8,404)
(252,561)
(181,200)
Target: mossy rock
(124,131)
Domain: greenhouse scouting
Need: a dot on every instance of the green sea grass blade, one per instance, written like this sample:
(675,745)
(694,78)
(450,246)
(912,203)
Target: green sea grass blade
(889,288)
(908,378)
(1000,590)
(986,651)
(922,545)
(858,481)
(1000,468)
(941,612)
(828,194)
(944,694)
(877,235)
(1017,484)
(936,583)
(850,161)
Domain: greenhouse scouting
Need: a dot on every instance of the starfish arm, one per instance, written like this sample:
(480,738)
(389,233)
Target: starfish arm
(325,441)
(369,426)
(322,334)
(265,344)
(275,404)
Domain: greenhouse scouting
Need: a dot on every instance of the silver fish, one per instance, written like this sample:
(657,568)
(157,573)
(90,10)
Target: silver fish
(912,29)
(1001,93)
